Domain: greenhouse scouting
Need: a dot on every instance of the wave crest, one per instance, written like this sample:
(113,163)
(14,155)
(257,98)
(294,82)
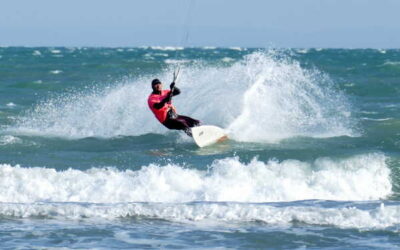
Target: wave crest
(363,177)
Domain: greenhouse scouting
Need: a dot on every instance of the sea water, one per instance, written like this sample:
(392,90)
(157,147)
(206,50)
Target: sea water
(313,157)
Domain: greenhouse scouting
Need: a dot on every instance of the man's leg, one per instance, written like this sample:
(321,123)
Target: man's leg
(188,121)
(182,123)
(174,124)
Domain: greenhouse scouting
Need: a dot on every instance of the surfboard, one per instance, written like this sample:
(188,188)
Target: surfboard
(208,134)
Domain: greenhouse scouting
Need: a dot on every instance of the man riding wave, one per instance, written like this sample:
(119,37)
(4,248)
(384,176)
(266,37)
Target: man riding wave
(160,103)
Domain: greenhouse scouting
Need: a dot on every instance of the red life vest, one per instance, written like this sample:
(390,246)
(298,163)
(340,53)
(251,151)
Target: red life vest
(161,114)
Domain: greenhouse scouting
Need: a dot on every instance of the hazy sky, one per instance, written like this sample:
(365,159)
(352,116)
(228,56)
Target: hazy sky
(247,23)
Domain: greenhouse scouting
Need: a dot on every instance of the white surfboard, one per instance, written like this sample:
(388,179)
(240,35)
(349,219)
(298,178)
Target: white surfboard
(207,135)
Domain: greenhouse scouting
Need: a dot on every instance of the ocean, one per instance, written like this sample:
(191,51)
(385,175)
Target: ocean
(313,159)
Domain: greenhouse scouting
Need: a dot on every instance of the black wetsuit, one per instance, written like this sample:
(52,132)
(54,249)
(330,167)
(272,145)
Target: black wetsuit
(175,121)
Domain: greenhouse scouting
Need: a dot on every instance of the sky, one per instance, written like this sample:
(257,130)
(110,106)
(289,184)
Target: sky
(220,23)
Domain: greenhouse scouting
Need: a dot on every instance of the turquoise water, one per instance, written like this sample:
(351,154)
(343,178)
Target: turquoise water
(312,160)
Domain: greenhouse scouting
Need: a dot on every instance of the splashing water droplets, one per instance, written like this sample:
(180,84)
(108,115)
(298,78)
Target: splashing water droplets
(264,97)
(283,100)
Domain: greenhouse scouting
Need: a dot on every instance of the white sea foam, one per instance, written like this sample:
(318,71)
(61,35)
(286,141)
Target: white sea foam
(166,48)
(237,48)
(227,59)
(228,191)
(148,56)
(302,51)
(363,177)
(369,112)
(56,72)
(9,139)
(174,61)
(378,217)
(268,99)
(349,84)
(55,51)
(36,53)
(108,113)
(283,100)
(11,104)
(377,119)
(392,63)
(161,54)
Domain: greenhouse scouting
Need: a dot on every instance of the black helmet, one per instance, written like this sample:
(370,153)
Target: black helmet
(155,81)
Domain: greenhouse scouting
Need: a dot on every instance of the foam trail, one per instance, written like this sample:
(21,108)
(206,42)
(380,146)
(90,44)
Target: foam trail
(260,98)
(362,177)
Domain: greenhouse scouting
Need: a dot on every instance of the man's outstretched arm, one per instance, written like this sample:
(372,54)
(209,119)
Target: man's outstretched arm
(161,104)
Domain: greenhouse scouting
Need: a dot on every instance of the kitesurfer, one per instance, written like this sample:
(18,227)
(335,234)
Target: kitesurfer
(160,103)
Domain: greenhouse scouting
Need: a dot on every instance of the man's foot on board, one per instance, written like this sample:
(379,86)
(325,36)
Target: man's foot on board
(188,131)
